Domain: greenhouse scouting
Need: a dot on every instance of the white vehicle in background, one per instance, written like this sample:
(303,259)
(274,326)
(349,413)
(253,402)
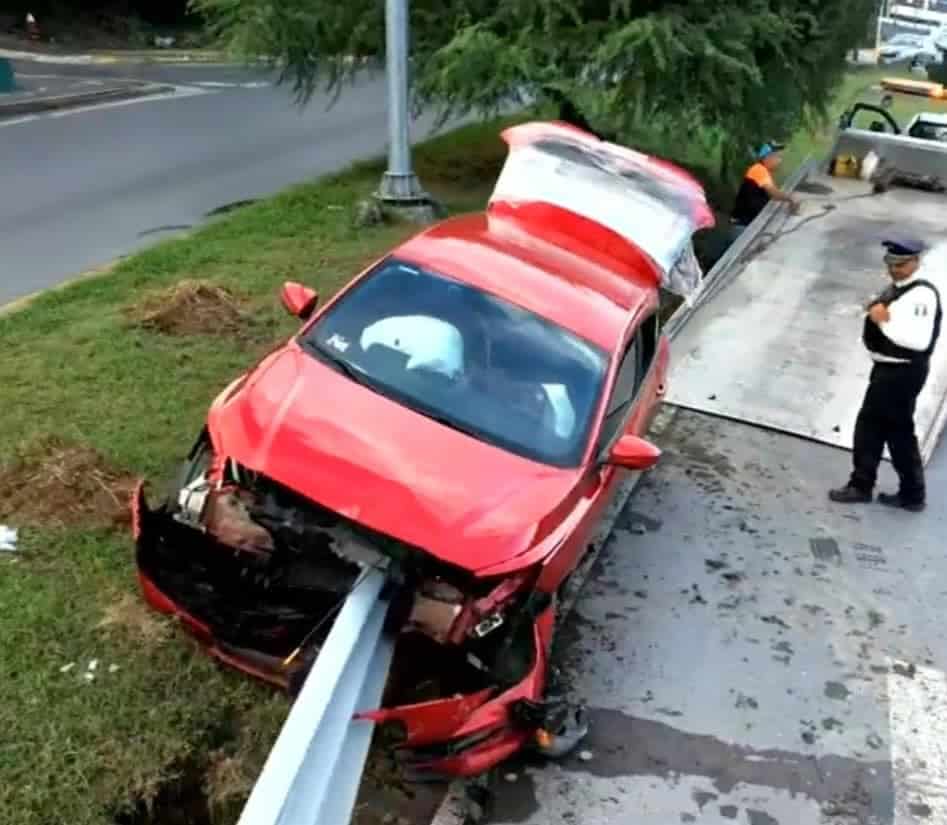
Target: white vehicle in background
(914,50)
(928,126)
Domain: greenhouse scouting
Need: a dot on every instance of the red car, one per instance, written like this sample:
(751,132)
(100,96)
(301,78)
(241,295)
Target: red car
(461,412)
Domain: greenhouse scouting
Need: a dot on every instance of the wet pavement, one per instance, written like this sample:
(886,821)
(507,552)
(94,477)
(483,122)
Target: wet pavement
(751,654)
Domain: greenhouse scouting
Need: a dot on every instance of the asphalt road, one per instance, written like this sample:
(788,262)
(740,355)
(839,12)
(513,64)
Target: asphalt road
(751,653)
(85,186)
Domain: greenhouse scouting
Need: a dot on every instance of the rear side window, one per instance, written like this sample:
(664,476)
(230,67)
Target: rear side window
(625,389)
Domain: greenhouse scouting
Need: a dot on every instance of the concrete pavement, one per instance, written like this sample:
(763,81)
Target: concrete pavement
(85,186)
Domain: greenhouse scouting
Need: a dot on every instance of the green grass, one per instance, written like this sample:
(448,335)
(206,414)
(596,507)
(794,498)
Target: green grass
(81,752)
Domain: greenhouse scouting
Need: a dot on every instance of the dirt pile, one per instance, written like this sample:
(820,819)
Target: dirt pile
(54,483)
(194,308)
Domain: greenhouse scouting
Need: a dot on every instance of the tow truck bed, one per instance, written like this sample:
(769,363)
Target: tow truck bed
(780,345)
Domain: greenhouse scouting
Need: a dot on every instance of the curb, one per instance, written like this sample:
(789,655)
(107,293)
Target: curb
(69,101)
(23,302)
(199,58)
(157,57)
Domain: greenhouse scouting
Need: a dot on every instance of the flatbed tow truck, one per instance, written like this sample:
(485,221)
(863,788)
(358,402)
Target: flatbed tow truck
(748,651)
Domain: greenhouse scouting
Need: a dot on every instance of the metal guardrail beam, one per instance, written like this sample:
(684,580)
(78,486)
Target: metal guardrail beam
(313,773)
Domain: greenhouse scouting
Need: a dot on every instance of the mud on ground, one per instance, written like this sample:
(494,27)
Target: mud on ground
(54,483)
(193,307)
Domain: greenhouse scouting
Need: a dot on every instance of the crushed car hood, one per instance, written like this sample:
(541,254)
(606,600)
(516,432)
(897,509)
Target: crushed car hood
(347,448)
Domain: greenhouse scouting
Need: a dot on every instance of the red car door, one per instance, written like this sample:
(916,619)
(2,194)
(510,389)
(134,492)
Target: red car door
(633,399)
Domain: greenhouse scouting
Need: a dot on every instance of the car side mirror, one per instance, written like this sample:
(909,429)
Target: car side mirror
(299,300)
(633,453)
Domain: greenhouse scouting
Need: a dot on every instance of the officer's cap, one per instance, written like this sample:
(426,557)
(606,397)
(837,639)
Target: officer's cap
(903,249)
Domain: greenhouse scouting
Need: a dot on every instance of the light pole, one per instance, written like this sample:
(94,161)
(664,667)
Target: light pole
(399,187)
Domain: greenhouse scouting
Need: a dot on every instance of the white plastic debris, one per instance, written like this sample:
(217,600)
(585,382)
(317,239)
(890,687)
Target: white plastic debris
(585,756)
(8,537)
(67,668)
(113,668)
(89,676)
(93,664)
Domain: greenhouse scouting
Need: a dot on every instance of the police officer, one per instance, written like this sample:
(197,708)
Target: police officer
(901,330)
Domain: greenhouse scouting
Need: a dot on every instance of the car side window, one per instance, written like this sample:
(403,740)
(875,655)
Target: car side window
(623,393)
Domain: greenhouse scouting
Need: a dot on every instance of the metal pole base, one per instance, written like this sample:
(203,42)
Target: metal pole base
(403,194)
(401,189)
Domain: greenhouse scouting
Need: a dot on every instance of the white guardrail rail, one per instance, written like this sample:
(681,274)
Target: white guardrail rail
(313,773)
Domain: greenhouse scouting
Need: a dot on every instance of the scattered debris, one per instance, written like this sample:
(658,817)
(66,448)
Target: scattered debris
(744,702)
(703,797)
(67,668)
(831,724)
(54,483)
(193,308)
(836,690)
(907,671)
(714,564)
(875,619)
(874,741)
(114,668)
(775,620)
(585,756)
(8,538)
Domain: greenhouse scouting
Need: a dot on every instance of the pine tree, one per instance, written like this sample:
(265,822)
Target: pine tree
(718,75)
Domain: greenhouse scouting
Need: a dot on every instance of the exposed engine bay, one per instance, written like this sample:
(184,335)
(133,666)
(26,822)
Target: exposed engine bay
(265,571)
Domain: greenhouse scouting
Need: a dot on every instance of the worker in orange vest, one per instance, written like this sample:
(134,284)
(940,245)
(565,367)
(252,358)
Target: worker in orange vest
(758,188)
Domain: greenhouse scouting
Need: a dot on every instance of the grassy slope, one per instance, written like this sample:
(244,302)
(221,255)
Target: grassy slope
(74,751)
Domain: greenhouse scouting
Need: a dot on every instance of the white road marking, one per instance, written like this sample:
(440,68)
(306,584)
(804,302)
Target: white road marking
(917,710)
(180,92)
(220,84)
(56,59)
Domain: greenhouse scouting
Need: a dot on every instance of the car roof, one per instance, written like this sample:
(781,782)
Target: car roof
(934,118)
(579,288)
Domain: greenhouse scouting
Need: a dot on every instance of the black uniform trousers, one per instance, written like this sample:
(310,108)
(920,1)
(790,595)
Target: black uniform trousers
(887,417)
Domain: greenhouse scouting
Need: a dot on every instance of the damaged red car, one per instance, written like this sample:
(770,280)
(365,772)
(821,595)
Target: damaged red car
(461,412)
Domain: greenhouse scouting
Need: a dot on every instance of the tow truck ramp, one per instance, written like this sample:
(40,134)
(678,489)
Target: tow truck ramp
(779,346)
